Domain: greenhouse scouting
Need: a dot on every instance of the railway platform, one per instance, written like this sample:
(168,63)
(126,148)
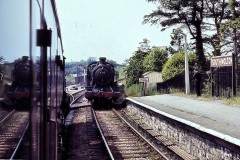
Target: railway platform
(212,116)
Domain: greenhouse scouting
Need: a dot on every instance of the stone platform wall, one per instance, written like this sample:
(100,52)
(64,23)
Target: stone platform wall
(197,143)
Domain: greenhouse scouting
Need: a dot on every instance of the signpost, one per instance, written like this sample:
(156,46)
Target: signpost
(144,80)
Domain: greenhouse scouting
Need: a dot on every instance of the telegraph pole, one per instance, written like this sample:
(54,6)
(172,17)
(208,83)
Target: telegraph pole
(234,55)
(187,85)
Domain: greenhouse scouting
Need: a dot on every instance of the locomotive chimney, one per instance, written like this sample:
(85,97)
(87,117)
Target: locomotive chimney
(102,60)
(25,58)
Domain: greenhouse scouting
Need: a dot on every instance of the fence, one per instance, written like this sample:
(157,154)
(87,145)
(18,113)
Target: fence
(221,86)
(222,82)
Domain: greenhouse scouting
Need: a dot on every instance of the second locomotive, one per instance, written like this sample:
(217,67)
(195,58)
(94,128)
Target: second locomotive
(102,83)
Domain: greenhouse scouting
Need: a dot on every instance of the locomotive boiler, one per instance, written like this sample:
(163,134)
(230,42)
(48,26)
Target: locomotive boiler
(19,91)
(102,85)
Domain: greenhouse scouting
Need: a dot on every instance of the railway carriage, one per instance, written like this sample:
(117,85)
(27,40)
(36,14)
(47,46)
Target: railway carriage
(39,76)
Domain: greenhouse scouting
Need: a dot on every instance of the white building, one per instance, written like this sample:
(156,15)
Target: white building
(153,78)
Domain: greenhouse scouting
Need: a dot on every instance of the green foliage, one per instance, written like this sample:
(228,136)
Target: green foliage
(184,13)
(136,90)
(151,91)
(133,90)
(229,27)
(177,39)
(135,68)
(175,65)
(144,45)
(78,67)
(120,69)
(171,50)
(90,60)
(233,100)
(155,60)
(70,79)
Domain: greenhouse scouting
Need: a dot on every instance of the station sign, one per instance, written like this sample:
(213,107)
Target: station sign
(145,79)
(220,61)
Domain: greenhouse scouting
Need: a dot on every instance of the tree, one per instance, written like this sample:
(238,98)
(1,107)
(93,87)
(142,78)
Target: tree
(144,45)
(217,12)
(175,65)
(134,68)
(177,39)
(184,13)
(155,60)
(2,70)
(229,29)
(114,63)
(171,50)
(91,59)
(1,67)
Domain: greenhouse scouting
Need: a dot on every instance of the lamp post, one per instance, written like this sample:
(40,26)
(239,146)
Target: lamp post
(187,85)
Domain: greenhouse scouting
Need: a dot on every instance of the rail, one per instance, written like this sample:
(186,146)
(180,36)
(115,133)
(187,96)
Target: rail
(140,135)
(76,96)
(125,145)
(19,142)
(10,138)
(7,116)
(102,135)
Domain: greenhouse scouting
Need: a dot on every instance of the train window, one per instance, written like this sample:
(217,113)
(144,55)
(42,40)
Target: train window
(31,83)
(16,76)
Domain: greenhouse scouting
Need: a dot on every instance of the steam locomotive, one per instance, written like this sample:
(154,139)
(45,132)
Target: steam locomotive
(102,85)
(18,93)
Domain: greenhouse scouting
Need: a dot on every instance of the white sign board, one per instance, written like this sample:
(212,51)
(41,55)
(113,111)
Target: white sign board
(220,61)
(145,79)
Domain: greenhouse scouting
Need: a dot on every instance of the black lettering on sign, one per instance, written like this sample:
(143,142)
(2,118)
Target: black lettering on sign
(221,61)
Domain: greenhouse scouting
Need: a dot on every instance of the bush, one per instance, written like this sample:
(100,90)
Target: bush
(152,91)
(176,65)
(134,90)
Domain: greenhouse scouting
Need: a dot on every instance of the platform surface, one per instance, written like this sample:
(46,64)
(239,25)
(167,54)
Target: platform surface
(214,115)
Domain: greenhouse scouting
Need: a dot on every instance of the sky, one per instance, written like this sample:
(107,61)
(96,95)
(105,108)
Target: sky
(14,29)
(90,28)
(110,28)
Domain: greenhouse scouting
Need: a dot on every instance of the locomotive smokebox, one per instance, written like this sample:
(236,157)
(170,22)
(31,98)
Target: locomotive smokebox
(102,60)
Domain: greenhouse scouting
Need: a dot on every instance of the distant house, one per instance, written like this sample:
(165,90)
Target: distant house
(153,78)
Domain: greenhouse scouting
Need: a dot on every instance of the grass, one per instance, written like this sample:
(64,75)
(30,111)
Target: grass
(207,97)
(136,91)
(233,100)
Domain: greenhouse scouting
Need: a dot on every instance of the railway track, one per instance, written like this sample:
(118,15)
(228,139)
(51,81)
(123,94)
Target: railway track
(95,131)
(122,140)
(83,140)
(77,98)
(13,127)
